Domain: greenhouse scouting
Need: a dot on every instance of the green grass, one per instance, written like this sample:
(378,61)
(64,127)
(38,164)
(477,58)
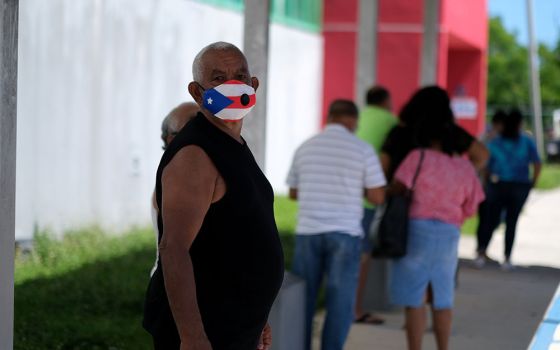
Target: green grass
(550,177)
(83,292)
(86,291)
(285,211)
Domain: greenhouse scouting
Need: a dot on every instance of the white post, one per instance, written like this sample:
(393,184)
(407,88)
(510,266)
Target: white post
(535,81)
(366,58)
(428,64)
(255,47)
(8,96)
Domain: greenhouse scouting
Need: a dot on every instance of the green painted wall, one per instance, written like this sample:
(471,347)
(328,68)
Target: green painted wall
(302,14)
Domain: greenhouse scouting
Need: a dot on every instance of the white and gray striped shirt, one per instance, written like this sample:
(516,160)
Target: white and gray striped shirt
(330,172)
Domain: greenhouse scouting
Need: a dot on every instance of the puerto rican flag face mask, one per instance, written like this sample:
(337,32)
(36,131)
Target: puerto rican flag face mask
(230,101)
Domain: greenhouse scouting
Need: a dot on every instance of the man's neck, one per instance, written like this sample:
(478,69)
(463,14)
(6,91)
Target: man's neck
(378,107)
(341,124)
(233,129)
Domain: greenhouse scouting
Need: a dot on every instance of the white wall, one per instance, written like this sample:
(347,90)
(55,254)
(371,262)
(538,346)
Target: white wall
(95,79)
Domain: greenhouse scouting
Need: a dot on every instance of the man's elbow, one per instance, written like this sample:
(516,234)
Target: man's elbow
(376,196)
(293,194)
(171,251)
(378,199)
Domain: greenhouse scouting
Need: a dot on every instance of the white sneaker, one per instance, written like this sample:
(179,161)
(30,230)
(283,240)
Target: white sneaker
(479,262)
(507,266)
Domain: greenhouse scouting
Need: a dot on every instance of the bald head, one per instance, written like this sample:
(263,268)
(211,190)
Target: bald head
(204,58)
(217,63)
(176,120)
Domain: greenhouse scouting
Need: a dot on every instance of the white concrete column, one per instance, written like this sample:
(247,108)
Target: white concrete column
(366,58)
(534,74)
(429,56)
(8,96)
(255,47)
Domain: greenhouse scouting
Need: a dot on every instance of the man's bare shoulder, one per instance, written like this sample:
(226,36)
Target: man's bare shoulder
(192,160)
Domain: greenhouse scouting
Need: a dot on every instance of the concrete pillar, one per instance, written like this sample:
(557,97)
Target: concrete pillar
(428,64)
(255,47)
(287,317)
(8,96)
(534,74)
(366,58)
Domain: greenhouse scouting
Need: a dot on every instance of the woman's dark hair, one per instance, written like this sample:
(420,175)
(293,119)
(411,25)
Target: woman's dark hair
(499,117)
(428,113)
(512,124)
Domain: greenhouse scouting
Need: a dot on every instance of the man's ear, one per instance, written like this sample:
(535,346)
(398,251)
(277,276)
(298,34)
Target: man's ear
(196,93)
(255,83)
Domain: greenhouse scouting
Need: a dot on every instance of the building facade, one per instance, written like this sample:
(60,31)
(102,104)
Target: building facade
(461,53)
(96,78)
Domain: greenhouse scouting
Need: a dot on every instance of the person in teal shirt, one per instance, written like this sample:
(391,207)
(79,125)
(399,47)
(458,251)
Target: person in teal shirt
(510,181)
(375,122)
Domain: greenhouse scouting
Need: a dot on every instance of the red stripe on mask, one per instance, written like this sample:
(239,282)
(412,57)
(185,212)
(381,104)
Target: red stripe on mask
(237,102)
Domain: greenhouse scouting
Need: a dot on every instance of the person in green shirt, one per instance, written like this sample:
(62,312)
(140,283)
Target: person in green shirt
(376,119)
(375,122)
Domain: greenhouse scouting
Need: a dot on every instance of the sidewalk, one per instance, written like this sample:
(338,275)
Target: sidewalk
(495,310)
(538,234)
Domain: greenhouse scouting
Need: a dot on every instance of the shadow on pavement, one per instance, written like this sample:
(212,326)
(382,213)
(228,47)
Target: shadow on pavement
(494,309)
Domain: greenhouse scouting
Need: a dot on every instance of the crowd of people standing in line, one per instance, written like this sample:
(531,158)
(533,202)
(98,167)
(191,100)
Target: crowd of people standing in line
(220,263)
(374,155)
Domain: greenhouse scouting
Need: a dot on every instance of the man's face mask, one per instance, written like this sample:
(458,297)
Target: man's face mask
(230,101)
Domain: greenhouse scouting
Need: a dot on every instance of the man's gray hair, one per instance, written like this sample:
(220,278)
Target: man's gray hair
(169,125)
(198,64)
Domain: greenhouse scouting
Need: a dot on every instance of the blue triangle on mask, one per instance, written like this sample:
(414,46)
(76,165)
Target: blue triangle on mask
(215,101)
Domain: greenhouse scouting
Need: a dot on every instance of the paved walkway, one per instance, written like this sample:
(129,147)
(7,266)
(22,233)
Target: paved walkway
(538,233)
(495,310)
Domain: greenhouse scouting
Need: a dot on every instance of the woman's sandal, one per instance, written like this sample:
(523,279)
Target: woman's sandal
(368,318)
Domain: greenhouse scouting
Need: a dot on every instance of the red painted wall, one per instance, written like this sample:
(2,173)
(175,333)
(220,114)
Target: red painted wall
(340,35)
(467,20)
(461,53)
(399,47)
(465,24)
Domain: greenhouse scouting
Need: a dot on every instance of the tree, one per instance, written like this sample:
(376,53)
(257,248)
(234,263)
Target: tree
(550,75)
(508,73)
(508,80)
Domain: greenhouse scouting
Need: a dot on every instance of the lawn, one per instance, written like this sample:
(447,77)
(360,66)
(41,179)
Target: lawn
(86,291)
(550,177)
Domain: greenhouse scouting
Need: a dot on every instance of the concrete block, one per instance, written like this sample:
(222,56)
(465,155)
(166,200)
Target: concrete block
(287,317)
(376,295)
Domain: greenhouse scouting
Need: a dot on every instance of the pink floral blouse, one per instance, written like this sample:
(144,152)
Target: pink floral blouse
(447,188)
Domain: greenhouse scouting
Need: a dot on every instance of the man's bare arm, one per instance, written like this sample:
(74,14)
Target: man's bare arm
(293,194)
(189,187)
(376,195)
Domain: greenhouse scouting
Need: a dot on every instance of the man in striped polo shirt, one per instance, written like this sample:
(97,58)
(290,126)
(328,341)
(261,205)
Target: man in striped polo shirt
(330,175)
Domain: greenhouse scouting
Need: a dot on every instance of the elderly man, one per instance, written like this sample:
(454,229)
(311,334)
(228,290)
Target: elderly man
(330,174)
(176,120)
(221,262)
(170,127)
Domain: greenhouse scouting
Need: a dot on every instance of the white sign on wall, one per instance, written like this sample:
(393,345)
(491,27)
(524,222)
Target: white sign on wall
(464,107)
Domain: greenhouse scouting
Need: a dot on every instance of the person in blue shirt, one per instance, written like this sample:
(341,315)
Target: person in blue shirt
(509,182)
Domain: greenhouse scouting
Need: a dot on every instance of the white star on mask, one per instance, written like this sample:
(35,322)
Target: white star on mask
(209,101)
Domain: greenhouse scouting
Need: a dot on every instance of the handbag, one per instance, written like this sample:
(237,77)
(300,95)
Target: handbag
(389,231)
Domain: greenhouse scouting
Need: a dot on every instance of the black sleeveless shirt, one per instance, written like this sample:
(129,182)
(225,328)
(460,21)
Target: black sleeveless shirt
(237,255)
